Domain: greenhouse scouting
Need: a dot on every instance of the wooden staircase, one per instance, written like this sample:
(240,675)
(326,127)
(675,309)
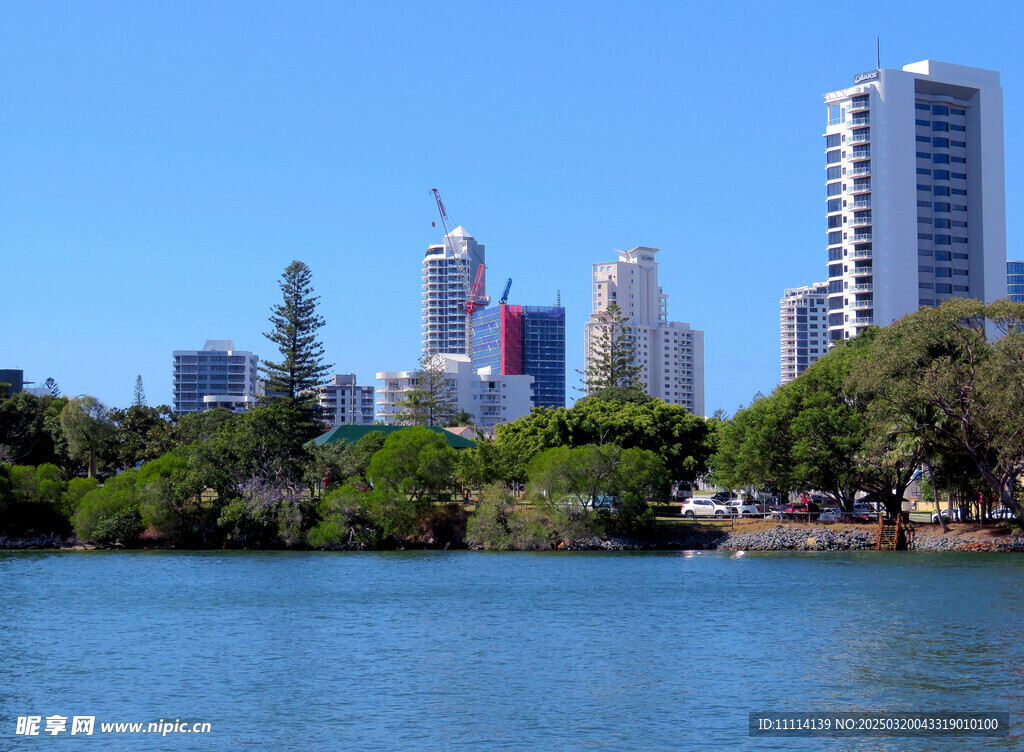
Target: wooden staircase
(896,536)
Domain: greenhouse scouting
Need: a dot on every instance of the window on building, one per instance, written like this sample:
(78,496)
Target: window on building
(938,126)
(940,141)
(940,109)
(942,287)
(941,190)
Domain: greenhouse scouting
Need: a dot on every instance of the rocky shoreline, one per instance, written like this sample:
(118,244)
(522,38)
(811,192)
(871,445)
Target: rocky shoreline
(777,538)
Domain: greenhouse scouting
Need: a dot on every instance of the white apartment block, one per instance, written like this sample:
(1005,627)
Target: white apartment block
(446,269)
(670,353)
(489,398)
(803,325)
(216,376)
(342,402)
(915,192)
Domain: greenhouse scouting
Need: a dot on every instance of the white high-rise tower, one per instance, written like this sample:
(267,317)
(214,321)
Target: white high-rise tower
(803,328)
(916,208)
(670,354)
(446,267)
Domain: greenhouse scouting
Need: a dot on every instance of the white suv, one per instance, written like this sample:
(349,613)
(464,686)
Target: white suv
(703,508)
(743,507)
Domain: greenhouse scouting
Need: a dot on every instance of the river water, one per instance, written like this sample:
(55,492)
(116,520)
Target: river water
(474,651)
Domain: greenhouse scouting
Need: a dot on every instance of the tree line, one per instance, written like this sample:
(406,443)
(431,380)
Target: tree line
(940,391)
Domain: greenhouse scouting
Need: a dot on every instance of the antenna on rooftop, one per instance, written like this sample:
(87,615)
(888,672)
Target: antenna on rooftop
(878,54)
(558,298)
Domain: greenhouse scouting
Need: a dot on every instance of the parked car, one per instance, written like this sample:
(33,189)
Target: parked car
(864,511)
(609,503)
(681,491)
(946,515)
(703,508)
(723,496)
(830,514)
(797,512)
(1004,513)
(743,507)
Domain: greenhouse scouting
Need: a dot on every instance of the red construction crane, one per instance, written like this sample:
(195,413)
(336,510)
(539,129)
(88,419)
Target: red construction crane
(476,291)
(473,292)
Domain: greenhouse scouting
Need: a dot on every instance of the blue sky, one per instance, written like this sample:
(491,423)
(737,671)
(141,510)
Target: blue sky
(160,165)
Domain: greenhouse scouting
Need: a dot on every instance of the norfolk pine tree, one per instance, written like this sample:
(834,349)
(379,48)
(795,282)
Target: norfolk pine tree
(430,402)
(612,361)
(295,320)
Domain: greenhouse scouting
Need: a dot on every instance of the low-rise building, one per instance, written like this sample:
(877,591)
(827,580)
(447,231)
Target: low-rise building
(489,398)
(342,402)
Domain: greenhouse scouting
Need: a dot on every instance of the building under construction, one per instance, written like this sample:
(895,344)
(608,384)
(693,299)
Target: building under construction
(446,267)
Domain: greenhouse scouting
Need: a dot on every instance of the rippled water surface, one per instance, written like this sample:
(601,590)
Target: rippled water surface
(472,651)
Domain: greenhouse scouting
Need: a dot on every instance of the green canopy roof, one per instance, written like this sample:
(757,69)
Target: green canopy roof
(352,434)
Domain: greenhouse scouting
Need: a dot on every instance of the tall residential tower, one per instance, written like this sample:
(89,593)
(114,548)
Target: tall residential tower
(669,353)
(216,376)
(446,267)
(914,188)
(803,327)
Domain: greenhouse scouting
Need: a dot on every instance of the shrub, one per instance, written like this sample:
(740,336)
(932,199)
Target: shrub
(114,498)
(497,525)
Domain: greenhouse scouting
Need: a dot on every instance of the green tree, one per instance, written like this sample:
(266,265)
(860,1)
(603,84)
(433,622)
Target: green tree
(139,433)
(612,353)
(30,429)
(937,373)
(295,325)
(51,384)
(86,428)
(195,426)
(416,463)
(682,440)
(430,402)
(110,513)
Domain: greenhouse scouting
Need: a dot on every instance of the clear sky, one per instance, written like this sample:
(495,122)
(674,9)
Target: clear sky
(161,163)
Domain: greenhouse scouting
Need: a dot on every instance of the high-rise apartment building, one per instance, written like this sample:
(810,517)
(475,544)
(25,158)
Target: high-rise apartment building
(1015,281)
(446,268)
(216,376)
(803,325)
(342,402)
(489,398)
(670,354)
(915,204)
(530,340)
